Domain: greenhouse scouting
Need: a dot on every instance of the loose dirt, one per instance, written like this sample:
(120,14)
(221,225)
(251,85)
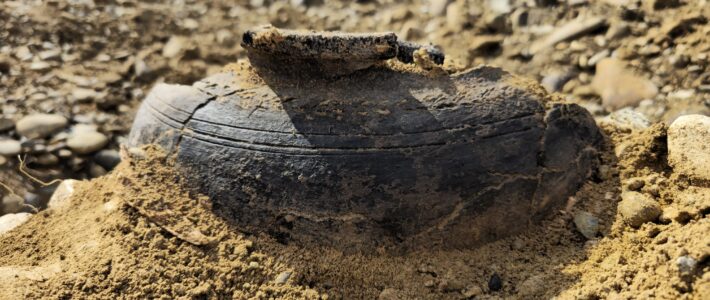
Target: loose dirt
(137,233)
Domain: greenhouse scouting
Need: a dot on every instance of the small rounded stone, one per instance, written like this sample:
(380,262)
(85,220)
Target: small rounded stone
(10,147)
(637,208)
(40,125)
(12,204)
(87,142)
(587,224)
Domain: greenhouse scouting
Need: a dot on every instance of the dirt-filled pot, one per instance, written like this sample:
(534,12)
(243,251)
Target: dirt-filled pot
(317,140)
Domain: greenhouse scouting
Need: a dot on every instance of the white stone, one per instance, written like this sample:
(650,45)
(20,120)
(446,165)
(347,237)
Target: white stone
(85,142)
(689,146)
(10,147)
(11,221)
(62,195)
(40,125)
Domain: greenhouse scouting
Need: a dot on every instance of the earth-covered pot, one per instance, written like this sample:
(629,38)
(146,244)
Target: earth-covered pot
(319,139)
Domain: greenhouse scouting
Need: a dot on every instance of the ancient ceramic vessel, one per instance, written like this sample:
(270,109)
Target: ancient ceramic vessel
(315,139)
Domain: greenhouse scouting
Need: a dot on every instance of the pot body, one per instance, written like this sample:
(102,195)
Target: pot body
(378,158)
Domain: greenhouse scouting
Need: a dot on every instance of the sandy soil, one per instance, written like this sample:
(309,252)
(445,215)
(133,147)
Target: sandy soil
(136,233)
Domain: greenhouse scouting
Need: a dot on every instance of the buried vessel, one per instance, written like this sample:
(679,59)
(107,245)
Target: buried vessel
(319,138)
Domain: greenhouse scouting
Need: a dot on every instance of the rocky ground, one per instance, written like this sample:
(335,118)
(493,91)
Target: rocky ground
(72,74)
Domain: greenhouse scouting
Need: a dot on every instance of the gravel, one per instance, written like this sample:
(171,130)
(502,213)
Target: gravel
(85,142)
(689,146)
(10,147)
(587,224)
(637,208)
(40,125)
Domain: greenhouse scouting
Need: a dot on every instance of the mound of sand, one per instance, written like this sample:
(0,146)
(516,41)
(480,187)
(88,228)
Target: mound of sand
(137,233)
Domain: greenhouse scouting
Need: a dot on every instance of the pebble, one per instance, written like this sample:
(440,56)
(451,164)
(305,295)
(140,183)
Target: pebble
(389,294)
(553,82)
(136,153)
(627,118)
(635,184)
(3,160)
(570,30)
(495,283)
(472,291)
(6,124)
(10,221)
(688,146)
(174,46)
(62,195)
(46,159)
(597,58)
(10,147)
(95,170)
(619,87)
(283,277)
(40,125)
(12,204)
(605,172)
(637,209)
(531,286)
(82,95)
(32,199)
(686,265)
(85,142)
(107,158)
(618,31)
(587,224)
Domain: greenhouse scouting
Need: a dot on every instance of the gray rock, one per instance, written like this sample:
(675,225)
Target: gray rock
(627,118)
(635,184)
(637,209)
(34,200)
(46,159)
(12,204)
(554,81)
(40,66)
(10,147)
(40,125)
(85,142)
(688,146)
(96,170)
(107,158)
(686,264)
(6,124)
(587,224)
